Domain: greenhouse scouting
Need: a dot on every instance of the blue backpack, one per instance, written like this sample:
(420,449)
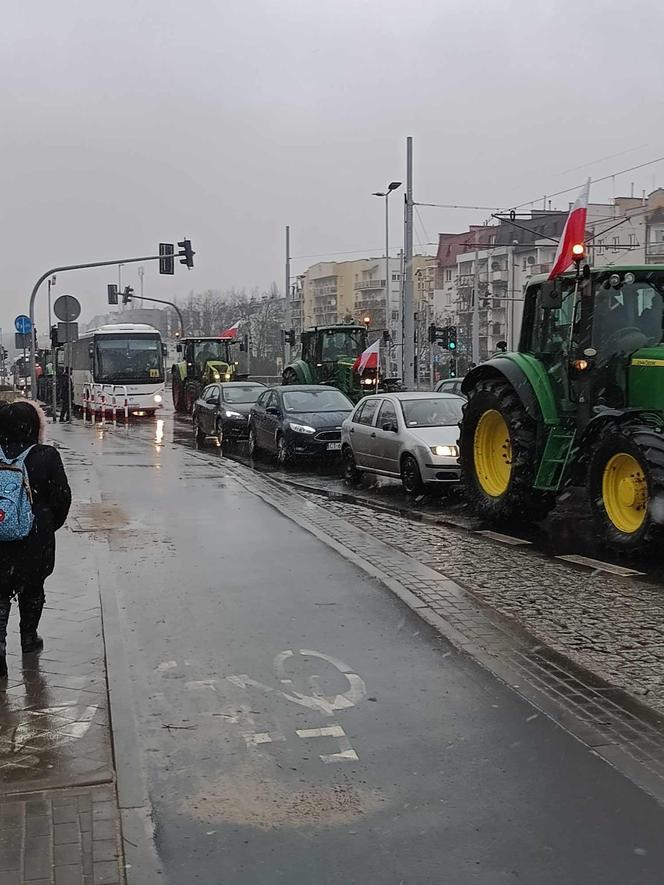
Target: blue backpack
(16,516)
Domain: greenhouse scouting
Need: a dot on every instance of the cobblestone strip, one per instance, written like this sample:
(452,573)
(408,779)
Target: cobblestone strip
(412,556)
(68,837)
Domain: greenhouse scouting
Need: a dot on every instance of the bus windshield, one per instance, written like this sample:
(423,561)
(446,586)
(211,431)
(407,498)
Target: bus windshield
(124,358)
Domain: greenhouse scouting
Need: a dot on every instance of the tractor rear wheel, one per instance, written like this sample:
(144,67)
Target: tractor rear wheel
(625,484)
(178,393)
(498,455)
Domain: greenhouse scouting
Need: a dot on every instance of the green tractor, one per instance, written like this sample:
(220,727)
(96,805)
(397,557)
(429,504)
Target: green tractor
(328,355)
(581,403)
(202,362)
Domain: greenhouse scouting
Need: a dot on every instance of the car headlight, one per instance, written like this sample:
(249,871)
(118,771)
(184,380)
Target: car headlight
(446,451)
(157,397)
(230,414)
(301,428)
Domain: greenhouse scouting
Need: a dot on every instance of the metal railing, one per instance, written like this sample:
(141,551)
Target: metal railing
(103,398)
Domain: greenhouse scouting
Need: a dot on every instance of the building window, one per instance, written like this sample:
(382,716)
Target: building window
(615,242)
(632,240)
(448,275)
(396,277)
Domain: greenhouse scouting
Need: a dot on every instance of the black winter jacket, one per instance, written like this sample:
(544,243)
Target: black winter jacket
(32,560)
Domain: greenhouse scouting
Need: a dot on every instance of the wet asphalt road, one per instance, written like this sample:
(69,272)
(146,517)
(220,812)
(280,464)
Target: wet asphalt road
(298,724)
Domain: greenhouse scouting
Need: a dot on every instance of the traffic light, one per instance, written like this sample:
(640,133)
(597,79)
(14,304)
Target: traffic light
(112,293)
(451,338)
(186,253)
(127,295)
(289,337)
(54,336)
(433,333)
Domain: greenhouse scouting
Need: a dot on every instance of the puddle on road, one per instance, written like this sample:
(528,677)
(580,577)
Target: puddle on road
(243,800)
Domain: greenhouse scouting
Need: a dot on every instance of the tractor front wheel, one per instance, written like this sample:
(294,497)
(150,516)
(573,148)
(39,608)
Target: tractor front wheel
(499,455)
(625,484)
(178,394)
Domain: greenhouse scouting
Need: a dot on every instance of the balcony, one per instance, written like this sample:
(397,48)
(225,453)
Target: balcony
(369,284)
(500,276)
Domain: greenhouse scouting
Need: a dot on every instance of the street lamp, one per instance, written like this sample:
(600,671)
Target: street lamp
(392,186)
(54,403)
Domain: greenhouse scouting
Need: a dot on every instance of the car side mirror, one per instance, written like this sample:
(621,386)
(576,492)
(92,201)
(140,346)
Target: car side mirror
(390,427)
(551,295)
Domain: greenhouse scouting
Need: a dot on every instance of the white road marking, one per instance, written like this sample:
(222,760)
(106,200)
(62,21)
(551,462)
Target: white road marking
(201,683)
(504,539)
(325,703)
(166,665)
(601,566)
(263,737)
(345,753)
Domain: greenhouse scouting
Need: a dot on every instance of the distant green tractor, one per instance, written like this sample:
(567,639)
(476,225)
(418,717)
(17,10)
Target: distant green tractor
(328,356)
(581,403)
(203,361)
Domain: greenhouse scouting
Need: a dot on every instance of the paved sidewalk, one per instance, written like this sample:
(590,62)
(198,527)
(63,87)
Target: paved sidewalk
(59,822)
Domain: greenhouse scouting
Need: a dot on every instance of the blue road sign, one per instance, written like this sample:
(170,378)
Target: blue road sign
(23,325)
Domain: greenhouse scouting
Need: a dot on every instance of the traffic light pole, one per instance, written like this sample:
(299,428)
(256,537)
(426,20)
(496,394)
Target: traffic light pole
(53,270)
(170,304)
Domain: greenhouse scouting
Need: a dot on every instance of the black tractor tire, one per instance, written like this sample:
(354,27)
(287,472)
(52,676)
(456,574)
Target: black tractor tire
(191,393)
(178,393)
(290,377)
(641,503)
(411,478)
(352,475)
(282,455)
(519,499)
(254,449)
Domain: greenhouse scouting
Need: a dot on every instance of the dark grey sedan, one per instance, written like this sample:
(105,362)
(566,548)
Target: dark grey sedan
(298,420)
(222,411)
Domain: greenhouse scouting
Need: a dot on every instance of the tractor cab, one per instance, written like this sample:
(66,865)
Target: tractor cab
(202,361)
(327,355)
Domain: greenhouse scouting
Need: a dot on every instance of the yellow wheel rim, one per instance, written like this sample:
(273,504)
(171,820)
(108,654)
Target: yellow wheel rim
(625,492)
(492,449)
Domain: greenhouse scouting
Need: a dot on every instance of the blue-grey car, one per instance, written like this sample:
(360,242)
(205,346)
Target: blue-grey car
(298,420)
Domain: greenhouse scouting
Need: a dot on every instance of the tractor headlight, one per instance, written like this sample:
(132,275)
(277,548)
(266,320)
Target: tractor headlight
(157,397)
(215,375)
(614,280)
(368,382)
(301,428)
(630,279)
(445,451)
(227,376)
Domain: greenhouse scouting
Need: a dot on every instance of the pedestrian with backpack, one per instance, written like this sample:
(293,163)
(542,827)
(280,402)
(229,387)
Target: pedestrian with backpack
(34,503)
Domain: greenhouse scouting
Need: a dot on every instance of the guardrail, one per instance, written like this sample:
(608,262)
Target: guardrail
(100,398)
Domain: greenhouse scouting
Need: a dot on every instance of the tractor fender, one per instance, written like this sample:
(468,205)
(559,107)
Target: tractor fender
(616,417)
(502,367)
(302,371)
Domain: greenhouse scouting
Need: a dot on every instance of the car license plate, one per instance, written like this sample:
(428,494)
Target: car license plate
(334,447)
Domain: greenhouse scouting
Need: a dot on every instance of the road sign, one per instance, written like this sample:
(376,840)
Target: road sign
(23,324)
(67,332)
(67,308)
(22,342)
(166,262)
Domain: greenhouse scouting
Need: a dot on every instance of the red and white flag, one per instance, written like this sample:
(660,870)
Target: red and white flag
(368,359)
(231,332)
(574,232)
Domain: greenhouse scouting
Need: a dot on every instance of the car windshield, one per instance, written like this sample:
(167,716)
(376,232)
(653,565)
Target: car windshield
(316,401)
(434,412)
(121,358)
(242,393)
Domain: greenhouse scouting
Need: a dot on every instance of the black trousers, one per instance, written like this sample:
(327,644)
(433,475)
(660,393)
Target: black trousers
(30,606)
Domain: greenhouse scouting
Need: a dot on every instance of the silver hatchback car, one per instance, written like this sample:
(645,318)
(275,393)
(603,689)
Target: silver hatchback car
(408,435)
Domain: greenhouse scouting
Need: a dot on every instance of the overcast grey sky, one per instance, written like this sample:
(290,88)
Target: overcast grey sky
(135,121)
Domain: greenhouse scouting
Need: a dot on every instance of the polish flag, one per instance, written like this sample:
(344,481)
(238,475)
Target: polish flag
(368,359)
(573,233)
(231,332)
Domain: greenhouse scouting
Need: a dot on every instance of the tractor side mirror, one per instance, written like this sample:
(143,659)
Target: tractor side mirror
(551,296)
(502,346)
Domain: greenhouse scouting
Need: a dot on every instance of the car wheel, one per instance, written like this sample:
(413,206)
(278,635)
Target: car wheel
(411,478)
(283,454)
(201,438)
(352,475)
(253,445)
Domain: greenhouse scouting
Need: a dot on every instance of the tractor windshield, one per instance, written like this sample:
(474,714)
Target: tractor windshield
(626,318)
(214,350)
(340,343)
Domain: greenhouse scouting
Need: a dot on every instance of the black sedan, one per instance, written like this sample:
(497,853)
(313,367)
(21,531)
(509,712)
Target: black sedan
(298,420)
(222,411)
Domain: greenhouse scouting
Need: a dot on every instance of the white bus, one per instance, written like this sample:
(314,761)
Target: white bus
(118,359)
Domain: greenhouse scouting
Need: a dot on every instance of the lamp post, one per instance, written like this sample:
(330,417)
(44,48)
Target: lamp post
(54,394)
(392,186)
